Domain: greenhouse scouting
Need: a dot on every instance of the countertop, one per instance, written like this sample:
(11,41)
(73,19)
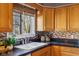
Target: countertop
(22,52)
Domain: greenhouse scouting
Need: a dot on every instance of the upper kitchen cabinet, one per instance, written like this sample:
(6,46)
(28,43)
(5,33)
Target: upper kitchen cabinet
(5,17)
(48,19)
(60,18)
(73,19)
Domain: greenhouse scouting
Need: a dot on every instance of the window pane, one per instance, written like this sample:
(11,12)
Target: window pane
(32,25)
(16,18)
(16,23)
(26,24)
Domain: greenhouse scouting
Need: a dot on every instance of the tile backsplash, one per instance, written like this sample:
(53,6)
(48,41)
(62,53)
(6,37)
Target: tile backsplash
(60,34)
(55,34)
(69,35)
(3,35)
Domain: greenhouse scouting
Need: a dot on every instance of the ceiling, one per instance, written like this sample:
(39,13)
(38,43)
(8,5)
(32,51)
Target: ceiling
(54,4)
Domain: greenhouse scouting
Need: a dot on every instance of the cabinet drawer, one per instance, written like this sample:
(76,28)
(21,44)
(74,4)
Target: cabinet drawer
(70,49)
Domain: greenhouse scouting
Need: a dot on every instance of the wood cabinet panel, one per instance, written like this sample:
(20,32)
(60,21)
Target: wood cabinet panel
(48,15)
(55,50)
(60,19)
(73,13)
(42,52)
(64,51)
(5,17)
(68,54)
(69,51)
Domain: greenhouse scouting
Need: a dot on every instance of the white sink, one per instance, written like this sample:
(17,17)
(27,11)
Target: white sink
(30,46)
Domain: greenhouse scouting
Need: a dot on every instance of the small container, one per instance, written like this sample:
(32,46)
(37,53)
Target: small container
(72,36)
(43,38)
(47,38)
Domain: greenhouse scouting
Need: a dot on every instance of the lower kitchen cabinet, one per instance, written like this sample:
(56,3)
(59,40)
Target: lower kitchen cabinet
(69,51)
(64,51)
(55,51)
(42,52)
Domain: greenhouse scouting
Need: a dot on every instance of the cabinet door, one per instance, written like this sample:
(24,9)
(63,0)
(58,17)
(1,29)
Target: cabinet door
(42,52)
(73,13)
(48,14)
(55,51)
(60,19)
(5,17)
(69,51)
(68,54)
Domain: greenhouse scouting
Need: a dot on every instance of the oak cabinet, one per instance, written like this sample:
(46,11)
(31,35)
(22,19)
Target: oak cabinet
(60,19)
(69,51)
(42,52)
(5,17)
(55,50)
(73,17)
(67,18)
(64,51)
(48,19)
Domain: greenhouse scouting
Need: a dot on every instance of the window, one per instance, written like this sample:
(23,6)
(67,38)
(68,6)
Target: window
(23,23)
(28,23)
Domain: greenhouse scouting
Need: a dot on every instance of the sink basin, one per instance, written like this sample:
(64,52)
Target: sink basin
(30,46)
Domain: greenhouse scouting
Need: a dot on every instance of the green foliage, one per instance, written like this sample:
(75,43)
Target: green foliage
(10,41)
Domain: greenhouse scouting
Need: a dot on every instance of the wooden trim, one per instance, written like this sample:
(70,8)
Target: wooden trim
(36,21)
(27,5)
(68,19)
(11,17)
(54,21)
(43,19)
(23,8)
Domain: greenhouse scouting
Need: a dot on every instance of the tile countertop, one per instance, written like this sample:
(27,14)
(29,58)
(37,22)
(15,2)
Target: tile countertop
(22,52)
